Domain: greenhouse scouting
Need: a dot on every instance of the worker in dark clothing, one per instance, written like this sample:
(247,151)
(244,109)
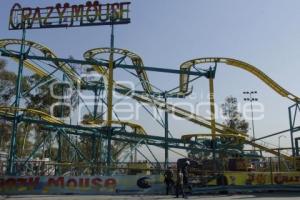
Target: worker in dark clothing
(168,180)
(182,182)
(179,185)
(185,175)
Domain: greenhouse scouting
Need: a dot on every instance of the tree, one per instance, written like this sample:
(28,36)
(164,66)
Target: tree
(233,118)
(41,99)
(36,95)
(7,96)
(86,144)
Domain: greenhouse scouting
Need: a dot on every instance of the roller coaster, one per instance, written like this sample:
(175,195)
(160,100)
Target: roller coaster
(129,135)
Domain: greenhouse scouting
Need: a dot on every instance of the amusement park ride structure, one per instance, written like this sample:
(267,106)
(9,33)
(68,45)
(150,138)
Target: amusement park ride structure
(109,130)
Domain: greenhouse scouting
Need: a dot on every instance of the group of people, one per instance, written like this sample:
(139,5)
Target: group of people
(181,183)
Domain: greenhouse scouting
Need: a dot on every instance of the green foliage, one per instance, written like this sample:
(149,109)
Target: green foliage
(30,135)
(2,64)
(86,145)
(7,95)
(7,85)
(233,118)
(230,146)
(5,130)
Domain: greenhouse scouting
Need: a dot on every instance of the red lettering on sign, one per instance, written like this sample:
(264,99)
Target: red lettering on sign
(49,12)
(36,16)
(12,23)
(84,182)
(72,183)
(104,12)
(77,11)
(110,183)
(92,10)
(26,16)
(124,10)
(21,181)
(97,182)
(115,11)
(11,183)
(2,183)
(56,182)
(61,11)
(66,15)
(33,182)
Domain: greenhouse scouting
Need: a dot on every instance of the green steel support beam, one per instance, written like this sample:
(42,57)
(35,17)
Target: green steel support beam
(93,153)
(36,149)
(297,145)
(74,146)
(110,105)
(109,146)
(141,153)
(152,152)
(132,149)
(59,154)
(166,136)
(94,62)
(117,135)
(277,133)
(212,72)
(43,80)
(293,110)
(13,143)
(59,139)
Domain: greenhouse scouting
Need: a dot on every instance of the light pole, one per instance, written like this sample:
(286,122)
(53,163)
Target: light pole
(251,99)
(279,150)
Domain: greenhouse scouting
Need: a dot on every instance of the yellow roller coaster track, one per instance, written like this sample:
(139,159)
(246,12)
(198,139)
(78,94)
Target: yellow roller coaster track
(73,76)
(136,127)
(186,66)
(205,135)
(9,111)
(153,101)
(240,139)
(220,128)
(66,68)
(135,59)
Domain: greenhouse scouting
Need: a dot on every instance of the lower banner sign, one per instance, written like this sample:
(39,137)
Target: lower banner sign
(262,178)
(119,184)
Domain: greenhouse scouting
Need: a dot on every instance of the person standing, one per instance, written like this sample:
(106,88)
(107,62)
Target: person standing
(179,185)
(168,179)
(185,174)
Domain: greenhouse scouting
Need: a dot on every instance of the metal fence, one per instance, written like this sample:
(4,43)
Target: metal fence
(50,168)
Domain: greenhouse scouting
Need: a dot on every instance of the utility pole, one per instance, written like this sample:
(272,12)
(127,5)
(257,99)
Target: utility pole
(251,99)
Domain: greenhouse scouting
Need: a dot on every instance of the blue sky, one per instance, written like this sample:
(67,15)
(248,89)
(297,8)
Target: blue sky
(167,33)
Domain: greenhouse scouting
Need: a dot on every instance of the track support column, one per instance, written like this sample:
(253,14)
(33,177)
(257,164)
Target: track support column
(94,160)
(293,110)
(59,154)
(212,111)
(108,159)
(166,134)
(11,168)
(297,146)
(110,96)
(110,79)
